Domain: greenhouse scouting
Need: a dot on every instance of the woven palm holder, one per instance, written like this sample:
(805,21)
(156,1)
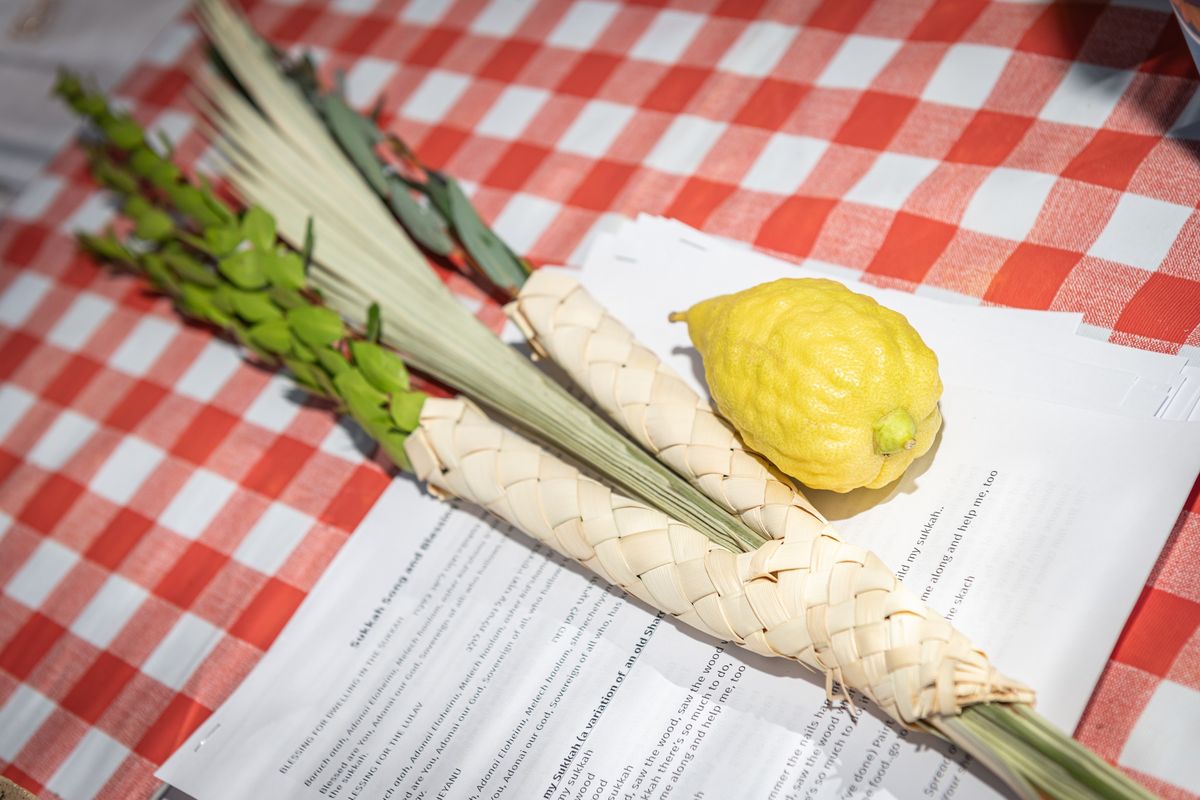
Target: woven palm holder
(834,607)
(563,322)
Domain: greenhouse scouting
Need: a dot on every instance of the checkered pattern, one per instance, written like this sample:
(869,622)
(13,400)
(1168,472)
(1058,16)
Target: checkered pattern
(164,507)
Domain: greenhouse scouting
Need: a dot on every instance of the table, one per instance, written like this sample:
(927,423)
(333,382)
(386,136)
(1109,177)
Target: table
(165,506)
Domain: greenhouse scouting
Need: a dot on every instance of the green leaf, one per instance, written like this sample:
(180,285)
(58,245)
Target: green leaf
(374,323)
(315,325)
(154,225)
(302,351)
(197,301)
(306,375)
(114,177)
(405,410)
(189,269)
(144,161)
(222,239)
(157,270)
(243,269)
(222,298)
(422,222)
(363,400)
(284,269)
(106,247)
(274,336)
(191,201)
(392,443)
(254,306)
(346,126)
(123,132)
(381,367)
(309,242)
(287,298)
(331,360)
(259,228)
(502,266)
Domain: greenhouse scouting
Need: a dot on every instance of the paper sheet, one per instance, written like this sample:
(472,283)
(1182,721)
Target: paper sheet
(438,657)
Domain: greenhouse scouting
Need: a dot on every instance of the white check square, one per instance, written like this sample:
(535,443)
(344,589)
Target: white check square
(891,179)
(758,49)
(92,216)
(276,405)
(80,321)
(126,470)
(273,538)
(14,403)
(181,651)
(784,164)
(1087,95)
(143,346)
(966,75)
(595,129)
(197,503)
(513,110)
(684,144)
(169,45)
(35,198)
(210,370)
(524,220)
(425,12)
(21,298)
(501,18)
(1163,742)
(667,37)
(41,573)
(436,95)
(857,62)
(366,79)
(20,717)
(1008,202)
(61,441)
(108,611)
(582,25)
(89,766)
(1140,231)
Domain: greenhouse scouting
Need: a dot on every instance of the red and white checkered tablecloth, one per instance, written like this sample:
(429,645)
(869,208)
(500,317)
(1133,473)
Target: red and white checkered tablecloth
(164,507)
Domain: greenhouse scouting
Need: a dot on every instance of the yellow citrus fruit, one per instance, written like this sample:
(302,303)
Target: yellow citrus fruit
(834,389)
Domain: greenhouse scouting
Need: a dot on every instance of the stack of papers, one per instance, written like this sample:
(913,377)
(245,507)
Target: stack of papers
(438,657)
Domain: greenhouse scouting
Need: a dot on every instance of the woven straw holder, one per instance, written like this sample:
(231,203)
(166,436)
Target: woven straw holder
(806,595)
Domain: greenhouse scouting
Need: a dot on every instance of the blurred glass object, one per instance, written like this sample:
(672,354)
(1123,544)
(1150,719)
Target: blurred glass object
(1188,14)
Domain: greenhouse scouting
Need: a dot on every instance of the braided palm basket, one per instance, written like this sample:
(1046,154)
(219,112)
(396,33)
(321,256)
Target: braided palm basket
(805,595)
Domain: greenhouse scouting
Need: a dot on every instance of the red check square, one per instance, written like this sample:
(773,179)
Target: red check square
(875,120)
(989,138)
(1160,625)
(267,613)
(589,74)
(430,50)
(697,200)
(182,716)
(1111,158)
(839,15)
(600,187)
(1061,30)
(911,247)
(506,63)
(31,642)
(50,503)
(794,226)
(947,21)
(676,89)
(190,576)
(1031,276)
(93,693)
(1166,307)
(515,166)
(118,538)
(771,104)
